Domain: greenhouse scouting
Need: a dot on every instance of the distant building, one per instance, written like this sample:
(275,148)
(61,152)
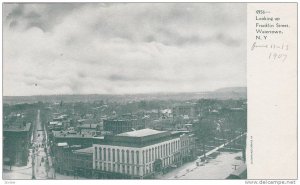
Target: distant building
(117,126)
(16,142)
(184,110)
(166,113)
(58,117)
(55,125)
(136,154)
(89,128)
(75,138)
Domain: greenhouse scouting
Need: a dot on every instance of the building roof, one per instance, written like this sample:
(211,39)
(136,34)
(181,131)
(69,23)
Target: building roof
(88,150)
(119,120)
(53,122)
(62,144)
(17,128)
(92,126)
(71,134)
(138,138)
(141,133)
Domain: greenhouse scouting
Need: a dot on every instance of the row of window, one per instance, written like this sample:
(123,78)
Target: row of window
(125,169)
(185,142)
(131,169)
(133,157)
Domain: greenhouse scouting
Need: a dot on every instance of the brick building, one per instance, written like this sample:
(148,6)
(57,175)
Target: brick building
(16,143)
(117,126)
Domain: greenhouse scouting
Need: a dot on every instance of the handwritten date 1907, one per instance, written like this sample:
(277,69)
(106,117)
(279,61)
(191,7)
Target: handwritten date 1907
(274,56)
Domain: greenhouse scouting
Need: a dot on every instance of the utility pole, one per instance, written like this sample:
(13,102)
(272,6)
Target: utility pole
(32,163)
(235,166)
(53,165)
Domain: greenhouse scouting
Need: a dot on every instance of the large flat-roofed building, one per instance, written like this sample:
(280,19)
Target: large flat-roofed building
(136,154)
(117,126)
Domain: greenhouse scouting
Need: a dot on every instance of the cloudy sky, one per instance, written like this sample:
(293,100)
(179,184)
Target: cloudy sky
(122,48)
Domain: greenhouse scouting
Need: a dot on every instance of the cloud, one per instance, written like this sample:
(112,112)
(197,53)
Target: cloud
(123,47)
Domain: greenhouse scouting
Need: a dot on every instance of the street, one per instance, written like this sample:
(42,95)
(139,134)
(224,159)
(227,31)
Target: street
(36,158)
(222,165)
(217,168)
(40,165)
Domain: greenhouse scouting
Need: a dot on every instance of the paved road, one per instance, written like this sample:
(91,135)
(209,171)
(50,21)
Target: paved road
(188,167)
(40,166)
(25,172)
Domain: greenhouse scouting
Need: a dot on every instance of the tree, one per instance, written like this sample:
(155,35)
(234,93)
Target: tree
(204,132)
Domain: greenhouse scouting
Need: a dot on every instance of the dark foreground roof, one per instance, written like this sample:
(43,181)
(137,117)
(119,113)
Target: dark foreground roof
(240,173)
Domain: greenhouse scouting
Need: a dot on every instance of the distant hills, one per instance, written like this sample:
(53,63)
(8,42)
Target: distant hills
(233,89)
(223,93)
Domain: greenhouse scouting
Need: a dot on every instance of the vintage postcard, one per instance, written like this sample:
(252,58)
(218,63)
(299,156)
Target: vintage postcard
(136,91)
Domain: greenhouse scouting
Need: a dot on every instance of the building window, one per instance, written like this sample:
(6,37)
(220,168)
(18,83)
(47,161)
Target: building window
(118,155)
(104,154)
(174,145)
(96,165)
(152,154)
(128,169)
(123,168)
(137,170)
(147,169)
(96,153)
(123,156)
(156,153)
(100,153)
(143,157)
(161,151)
(114,168)
(132,157)
(137,157)
(113,153)
(146,156)
(108,151)
(127,156)
(100,166)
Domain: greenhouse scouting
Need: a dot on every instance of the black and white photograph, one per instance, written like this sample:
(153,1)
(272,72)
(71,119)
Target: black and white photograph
(124,91)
